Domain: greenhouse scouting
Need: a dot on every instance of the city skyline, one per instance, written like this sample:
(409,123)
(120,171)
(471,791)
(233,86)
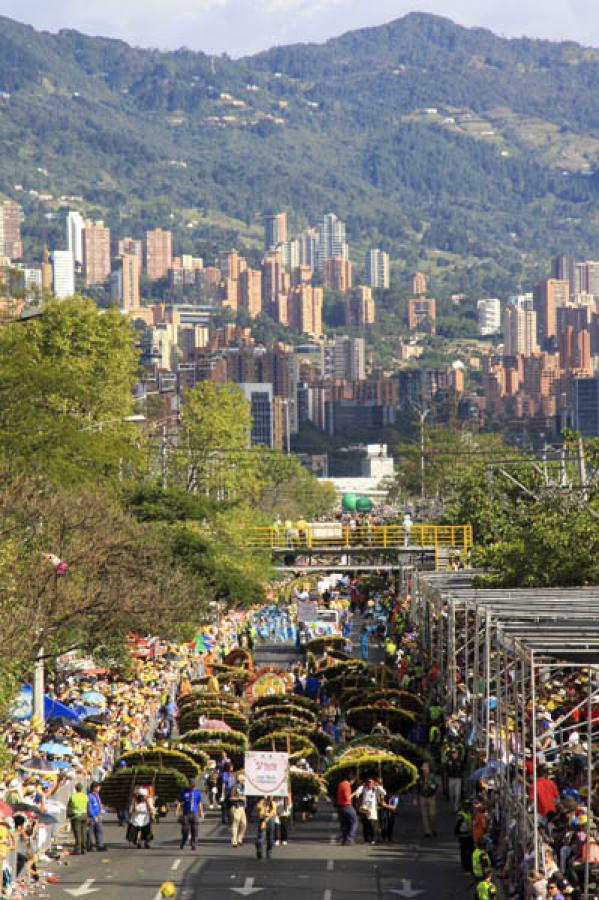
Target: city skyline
(239,27)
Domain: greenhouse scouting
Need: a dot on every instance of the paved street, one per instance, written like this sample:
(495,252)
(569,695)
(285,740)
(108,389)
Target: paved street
(312,867)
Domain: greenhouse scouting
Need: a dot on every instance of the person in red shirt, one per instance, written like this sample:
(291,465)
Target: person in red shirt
(348,818)
(547,792)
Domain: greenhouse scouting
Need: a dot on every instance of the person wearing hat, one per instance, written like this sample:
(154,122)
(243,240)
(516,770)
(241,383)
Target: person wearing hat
(141,812)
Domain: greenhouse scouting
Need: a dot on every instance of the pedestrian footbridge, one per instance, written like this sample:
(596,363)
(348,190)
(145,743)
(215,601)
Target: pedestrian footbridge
(308,544)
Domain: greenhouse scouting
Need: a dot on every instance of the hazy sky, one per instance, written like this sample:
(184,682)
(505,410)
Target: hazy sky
(245,26)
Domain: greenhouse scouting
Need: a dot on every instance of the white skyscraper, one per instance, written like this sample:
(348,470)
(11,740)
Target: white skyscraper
(332,242)
(63,273)
(377,268)
(75,226)
(489,316)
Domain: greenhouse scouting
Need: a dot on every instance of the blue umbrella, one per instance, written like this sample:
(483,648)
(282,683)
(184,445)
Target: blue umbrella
(60,764)
(93,697)
(488,771)
(86,711)
(56,749)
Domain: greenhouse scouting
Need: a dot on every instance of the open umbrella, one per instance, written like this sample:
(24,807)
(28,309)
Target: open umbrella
(93,697)
(59,722)
(86,731)
(60,764)
(98,719)
(489,771)
(36,764)
(45,817)
(5,810)
(56,749)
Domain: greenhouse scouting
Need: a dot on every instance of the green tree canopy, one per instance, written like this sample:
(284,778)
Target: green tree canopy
(65,387)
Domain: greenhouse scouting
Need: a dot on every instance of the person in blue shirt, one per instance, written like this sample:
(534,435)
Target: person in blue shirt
(95,830)
(226,782)
(312,687)
(364,635)
(190,810)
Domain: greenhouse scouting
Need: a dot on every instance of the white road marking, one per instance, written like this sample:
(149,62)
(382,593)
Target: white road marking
(176,865)
(406,889)
(330,865)
(83,889)
(328,894)
(248,888)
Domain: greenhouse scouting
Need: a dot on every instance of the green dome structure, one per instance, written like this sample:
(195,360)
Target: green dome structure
(364,505)
(348,502)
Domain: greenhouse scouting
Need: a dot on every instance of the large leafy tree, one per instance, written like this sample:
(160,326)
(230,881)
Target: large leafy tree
(65,388)
(214,457)
(528,529)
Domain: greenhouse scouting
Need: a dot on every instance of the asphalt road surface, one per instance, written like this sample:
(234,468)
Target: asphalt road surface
(313,866)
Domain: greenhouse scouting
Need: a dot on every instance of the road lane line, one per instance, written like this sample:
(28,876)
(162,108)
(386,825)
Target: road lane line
(328,894)
(330,865)
(176,865)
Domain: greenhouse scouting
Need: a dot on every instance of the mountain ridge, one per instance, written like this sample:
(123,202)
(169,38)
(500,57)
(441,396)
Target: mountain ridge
(429,138)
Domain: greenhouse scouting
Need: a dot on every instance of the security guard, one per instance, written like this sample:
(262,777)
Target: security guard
(77,812)
(485,889)
(481,862)
(463,832)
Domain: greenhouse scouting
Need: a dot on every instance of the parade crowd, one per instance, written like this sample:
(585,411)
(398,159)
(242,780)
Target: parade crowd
(58,768)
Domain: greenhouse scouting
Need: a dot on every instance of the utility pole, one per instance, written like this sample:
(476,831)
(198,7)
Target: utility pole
(582,469)
(163,456)
(38,686)
(422,414)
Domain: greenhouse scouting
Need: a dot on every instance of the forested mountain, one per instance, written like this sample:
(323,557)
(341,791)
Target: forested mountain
(438,142)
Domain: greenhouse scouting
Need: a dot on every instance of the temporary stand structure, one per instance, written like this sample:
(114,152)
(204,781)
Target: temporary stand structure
(506,643)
